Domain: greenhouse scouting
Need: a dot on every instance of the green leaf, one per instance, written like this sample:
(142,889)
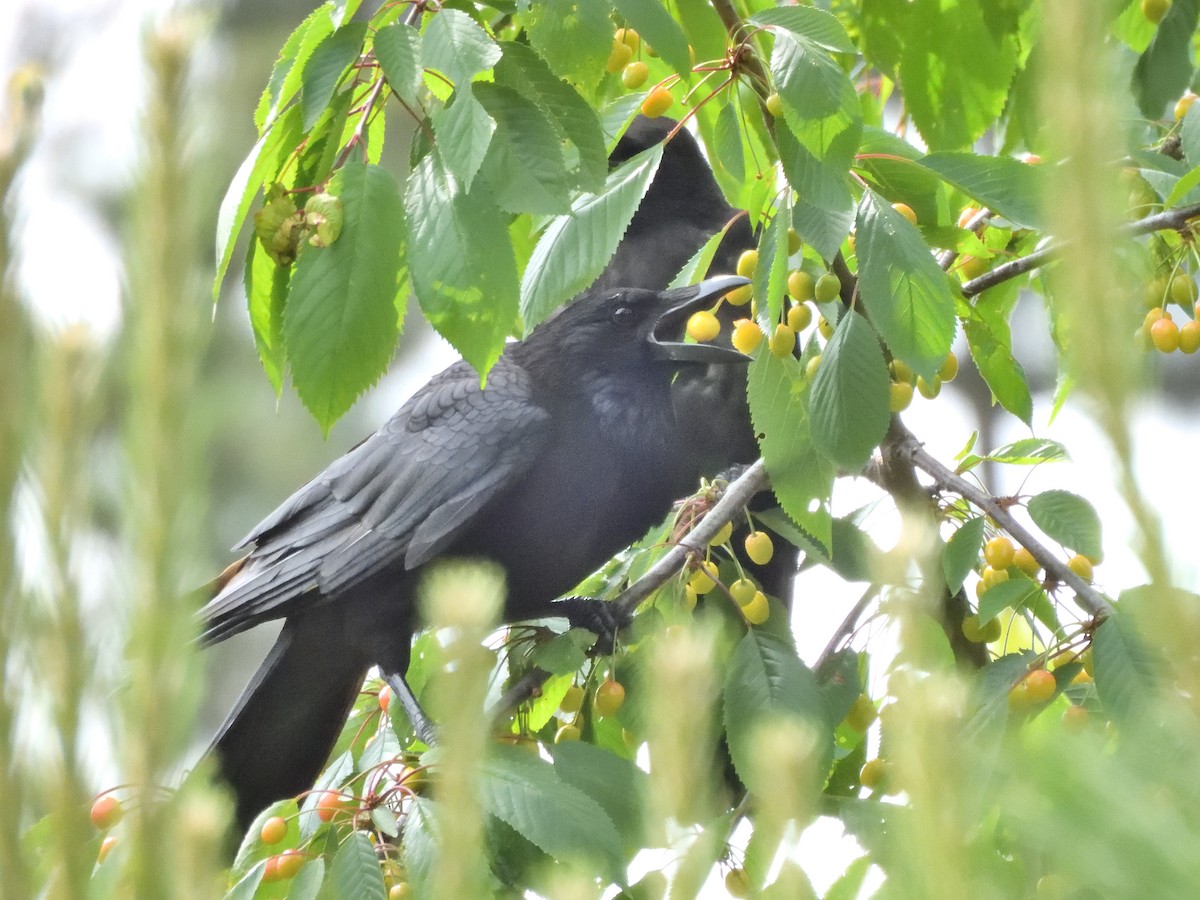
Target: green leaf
(462,263)
(770,277)
(1018,592)
(768,682)
(420,845)
(729,151)
(528,74)
(325,68)
(991,348)
(903,288)
(1000,183)
(458,48)
(573,36)
(575,248)
(824,228)
(308,881)
(810,23)
(617,785)
(799,473)
(1069,519)
(1029,451)
(693,270)
(355,873)
(1165,70)
(1128,676)
(526,793)
(955,70)
(266,291)
(286,73)
(890,166)
(961,553)
(246,887)
(990,690)
(525,166)
(340,324)
(464,132)
(541,709)
(810,83)
(259,166)
(398,49)
(849,884)
(849,406)
(659,29)
(564,653)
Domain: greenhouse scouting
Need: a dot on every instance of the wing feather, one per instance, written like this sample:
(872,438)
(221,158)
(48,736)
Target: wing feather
(394,501)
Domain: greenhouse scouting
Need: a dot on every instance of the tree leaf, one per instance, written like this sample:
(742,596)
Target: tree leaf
(1018,592)
(325,68)
(464,132)
(990,691)
(1010,187)
(955,70)
(767,682)
(307,883)
(1128,676)
(807,22)
(525,166)
(462,263)
(1069,519)
(575,248)
(961,553)
(355,872)
(573,36)
(527,73)
(615,784)
(903,288)
(289,67)
(890,166)
(799,473)
(266,291)
(526,793)
(564,653)
(849,405)
(398,49)
(340,324)
(1165,69)
(1005,377)
(259,166)
(770,277)
(420,845)
(1029,451)
(659,29)
(458,48)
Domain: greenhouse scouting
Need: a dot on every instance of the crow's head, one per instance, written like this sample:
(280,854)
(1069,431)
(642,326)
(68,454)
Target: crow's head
(624,331)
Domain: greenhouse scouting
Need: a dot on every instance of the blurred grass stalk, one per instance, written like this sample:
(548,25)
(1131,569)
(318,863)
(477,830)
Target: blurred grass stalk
(1093,290)
(173,836)
(465,600)
(17,377)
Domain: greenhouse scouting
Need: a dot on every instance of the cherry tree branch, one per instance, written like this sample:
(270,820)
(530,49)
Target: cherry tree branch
(1087,596)
(1177,219)
(733,501)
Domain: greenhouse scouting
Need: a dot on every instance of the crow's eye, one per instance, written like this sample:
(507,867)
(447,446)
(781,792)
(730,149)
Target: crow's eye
(624,315)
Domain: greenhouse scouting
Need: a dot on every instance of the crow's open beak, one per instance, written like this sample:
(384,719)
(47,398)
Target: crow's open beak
(671,324)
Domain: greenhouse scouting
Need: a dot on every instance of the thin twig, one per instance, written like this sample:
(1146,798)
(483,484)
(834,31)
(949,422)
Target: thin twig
(849,624)
(1087,596)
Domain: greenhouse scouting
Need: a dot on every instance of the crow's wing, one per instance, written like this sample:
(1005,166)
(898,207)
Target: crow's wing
(395,501)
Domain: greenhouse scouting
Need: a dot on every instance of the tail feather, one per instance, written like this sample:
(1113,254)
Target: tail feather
(279,736)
